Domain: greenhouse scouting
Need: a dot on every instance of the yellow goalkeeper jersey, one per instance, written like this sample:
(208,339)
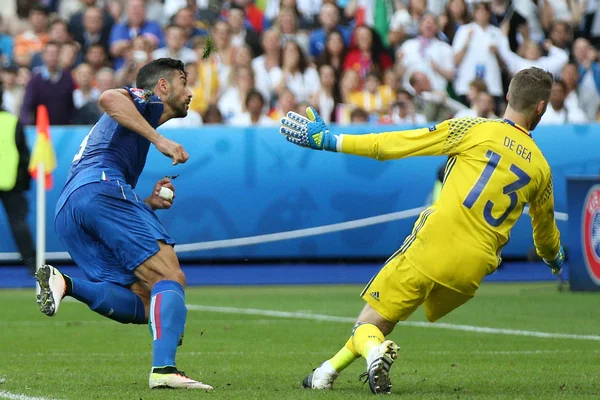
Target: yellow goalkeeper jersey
(494,170)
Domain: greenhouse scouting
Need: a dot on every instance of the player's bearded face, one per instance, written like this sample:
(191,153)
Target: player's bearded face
(179,97)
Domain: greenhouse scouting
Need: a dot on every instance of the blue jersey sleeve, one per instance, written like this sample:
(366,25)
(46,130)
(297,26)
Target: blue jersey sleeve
(147,103)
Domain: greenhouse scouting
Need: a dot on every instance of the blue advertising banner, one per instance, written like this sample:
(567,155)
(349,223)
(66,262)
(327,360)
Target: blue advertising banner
(244,183)
(584,233)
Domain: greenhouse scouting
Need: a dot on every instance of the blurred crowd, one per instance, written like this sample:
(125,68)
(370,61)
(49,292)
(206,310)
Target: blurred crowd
(386,61)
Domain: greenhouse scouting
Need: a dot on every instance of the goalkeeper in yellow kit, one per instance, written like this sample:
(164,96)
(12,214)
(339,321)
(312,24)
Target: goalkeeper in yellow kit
(494,170)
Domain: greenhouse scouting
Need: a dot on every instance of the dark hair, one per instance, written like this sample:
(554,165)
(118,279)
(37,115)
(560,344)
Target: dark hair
(560,82)
(325,57)
(359,113)
(52,43)
(173,26)
(38,7)
(452,25)
(149,74)
(302,63)
(254,93)
(528,88)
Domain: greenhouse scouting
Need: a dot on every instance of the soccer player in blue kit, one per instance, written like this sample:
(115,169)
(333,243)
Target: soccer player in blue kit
(113,235)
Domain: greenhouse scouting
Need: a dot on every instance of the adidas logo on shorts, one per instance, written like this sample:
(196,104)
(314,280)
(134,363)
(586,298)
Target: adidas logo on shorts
(375,295)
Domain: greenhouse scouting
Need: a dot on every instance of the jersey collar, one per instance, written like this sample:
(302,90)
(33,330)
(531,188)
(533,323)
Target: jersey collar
(525,131)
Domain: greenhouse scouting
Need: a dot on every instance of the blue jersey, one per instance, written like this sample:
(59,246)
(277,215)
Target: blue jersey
(112,152)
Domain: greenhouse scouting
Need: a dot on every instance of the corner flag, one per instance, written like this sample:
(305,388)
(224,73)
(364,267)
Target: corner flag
(43,152)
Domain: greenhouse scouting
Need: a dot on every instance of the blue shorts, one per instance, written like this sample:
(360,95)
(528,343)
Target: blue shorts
(109,232)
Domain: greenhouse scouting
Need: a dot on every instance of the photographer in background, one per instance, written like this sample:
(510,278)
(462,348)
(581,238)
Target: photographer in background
(14,182)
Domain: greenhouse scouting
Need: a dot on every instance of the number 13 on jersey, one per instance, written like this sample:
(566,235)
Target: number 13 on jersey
(522,180)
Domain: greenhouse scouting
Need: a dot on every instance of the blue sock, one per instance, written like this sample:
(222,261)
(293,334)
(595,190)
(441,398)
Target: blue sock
(167,321)
(112,301)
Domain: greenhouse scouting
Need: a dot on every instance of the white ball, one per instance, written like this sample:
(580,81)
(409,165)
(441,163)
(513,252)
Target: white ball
(166,193)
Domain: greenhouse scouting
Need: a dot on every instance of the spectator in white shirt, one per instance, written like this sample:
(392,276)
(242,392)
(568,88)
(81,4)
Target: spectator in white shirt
(532,57)
(557,113)
(85,92)
(403,110)
(428,54)
(435,105)
(231,103)
(175,38)
(561,35)
(12,93)
(483,107)
(570,76)
(255,115)
(589,76)
(240,34)
(296,74)
(266,67)
(475,53)
(223,57)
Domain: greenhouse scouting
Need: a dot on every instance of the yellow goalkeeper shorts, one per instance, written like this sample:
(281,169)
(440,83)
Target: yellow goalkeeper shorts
(399,288)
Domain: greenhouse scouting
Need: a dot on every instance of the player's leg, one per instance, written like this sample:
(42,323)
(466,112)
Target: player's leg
(392,295)
(441,301)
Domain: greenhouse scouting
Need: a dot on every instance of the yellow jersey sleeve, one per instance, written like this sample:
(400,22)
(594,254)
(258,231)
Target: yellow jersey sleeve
(446,138)
(546,236)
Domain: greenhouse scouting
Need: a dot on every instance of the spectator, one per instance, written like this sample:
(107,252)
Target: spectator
(70,55)
(185,18)
(405,21)
(52,87)
(455,16)
(91,25)
(212,115)
(285,104)
(436,106)
(175,48)
(254,16)
(327,99)
(296,74)
(14,183)
(136,24)
(287,25)
(6,44)
(266,66)
(334,52)
(12,92)
(240,34)
(561,35)
(205,86)
(329,18)
(115,9)
(85,92)
(34,40)
(91,112)
(349,84)
(475,53)
(532,57)
(570,11)
(306,10)
(404,112)
(557,113)
(58,33)
(231,104)
(255,115)
(586,58)
(242,56)
(426,53)
(223,58)
(135,58)
(93,28)
(570,76)
(475,87)
(23,77)
(371,98)
(368,54)
(483,107)
(96,56)
(359,116)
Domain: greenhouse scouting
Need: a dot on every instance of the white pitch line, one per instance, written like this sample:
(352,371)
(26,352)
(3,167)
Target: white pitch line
(14,396)
(333,318)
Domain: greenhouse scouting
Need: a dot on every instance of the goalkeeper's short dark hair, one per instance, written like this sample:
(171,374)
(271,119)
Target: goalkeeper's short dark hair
(528,88)
(150,74)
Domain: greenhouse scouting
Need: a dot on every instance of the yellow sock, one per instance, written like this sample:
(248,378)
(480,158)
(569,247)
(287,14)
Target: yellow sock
(344,357)
(366,337)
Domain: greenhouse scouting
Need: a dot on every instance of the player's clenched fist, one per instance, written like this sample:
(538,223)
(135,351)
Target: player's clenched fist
(173,150)
(158,202)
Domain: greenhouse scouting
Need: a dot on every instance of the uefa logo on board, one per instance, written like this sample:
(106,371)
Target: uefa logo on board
(591,233)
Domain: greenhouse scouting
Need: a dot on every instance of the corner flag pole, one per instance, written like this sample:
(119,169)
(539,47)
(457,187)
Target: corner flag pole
(40,258)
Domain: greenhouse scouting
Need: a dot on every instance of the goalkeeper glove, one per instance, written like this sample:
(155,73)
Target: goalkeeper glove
(308,132)
(557,263)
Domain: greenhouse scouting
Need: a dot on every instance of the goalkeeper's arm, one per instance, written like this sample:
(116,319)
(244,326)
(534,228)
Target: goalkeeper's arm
(546,236)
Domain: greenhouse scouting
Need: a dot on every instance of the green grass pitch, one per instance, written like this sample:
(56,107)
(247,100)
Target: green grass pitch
(80,355)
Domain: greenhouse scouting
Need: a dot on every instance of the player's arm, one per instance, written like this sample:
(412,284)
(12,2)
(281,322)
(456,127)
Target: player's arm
(312,132)
(120,106)
(546,236)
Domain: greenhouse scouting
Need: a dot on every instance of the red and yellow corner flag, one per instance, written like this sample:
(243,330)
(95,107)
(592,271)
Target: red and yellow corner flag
(43,152)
